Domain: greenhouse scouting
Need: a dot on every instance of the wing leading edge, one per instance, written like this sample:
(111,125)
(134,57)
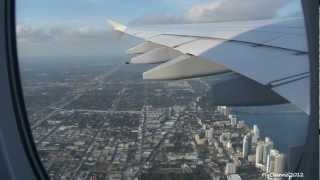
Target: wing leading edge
(273,53)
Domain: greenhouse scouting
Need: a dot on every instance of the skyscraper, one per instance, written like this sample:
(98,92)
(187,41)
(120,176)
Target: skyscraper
(271,160)
(268,145)
(246,146)
(255,129)
(280,163)
(276,163)
(259,154)
(256,133)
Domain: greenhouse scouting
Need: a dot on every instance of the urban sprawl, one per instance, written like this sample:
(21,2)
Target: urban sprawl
(113,126)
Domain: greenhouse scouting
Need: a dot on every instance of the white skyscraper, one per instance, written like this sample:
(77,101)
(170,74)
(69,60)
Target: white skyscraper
(255,129)
(246,146)
(256,133)
(280,163)
(268,145)
(259,155)
(276,163)
(271,160)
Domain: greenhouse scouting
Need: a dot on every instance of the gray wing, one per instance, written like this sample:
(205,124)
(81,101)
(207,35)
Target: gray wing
(273,53)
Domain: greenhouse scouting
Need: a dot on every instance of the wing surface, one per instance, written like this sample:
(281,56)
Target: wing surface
(273,53)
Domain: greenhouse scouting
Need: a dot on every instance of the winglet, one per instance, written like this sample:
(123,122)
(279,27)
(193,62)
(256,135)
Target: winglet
(117,26)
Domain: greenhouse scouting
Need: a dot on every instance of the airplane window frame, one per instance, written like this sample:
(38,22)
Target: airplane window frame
(9,50)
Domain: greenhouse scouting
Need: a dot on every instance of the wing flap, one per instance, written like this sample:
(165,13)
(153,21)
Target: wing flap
(184,66)
(200,46)
(157,55)
(143,47)
(235,90)
(298,92)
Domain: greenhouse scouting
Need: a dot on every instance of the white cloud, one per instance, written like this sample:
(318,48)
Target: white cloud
(202,11)
(62,41)
(154,19)
(225,10)
(219,10)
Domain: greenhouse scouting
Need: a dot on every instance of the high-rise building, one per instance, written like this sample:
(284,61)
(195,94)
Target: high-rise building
(259,155)
(223,110)
(246,146)
(268,145)
(276,163)
(256,133)
(280,163)
(255,129)
(233,119)
(271,160)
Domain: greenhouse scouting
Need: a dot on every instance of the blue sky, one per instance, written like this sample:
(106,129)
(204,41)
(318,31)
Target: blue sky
(67,28)
(96,11)
(48,12)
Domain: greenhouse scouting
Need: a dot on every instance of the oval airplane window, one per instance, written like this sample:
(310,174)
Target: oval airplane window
(165,90)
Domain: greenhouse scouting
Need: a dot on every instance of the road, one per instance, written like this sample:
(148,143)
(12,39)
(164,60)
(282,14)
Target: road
(95,83)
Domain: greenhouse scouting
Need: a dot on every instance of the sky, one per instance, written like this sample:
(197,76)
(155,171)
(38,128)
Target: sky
(73,29)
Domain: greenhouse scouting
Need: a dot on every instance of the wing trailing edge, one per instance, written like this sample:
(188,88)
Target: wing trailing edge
(184,66)
(236,90)
(157,55)
(143,48)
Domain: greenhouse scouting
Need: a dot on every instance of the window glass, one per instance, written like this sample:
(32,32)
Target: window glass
(94,117)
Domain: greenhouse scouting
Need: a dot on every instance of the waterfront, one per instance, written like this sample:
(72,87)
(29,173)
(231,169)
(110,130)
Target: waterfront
(286,126)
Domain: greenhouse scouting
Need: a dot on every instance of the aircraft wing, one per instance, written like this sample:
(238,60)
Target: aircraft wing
(273,53)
